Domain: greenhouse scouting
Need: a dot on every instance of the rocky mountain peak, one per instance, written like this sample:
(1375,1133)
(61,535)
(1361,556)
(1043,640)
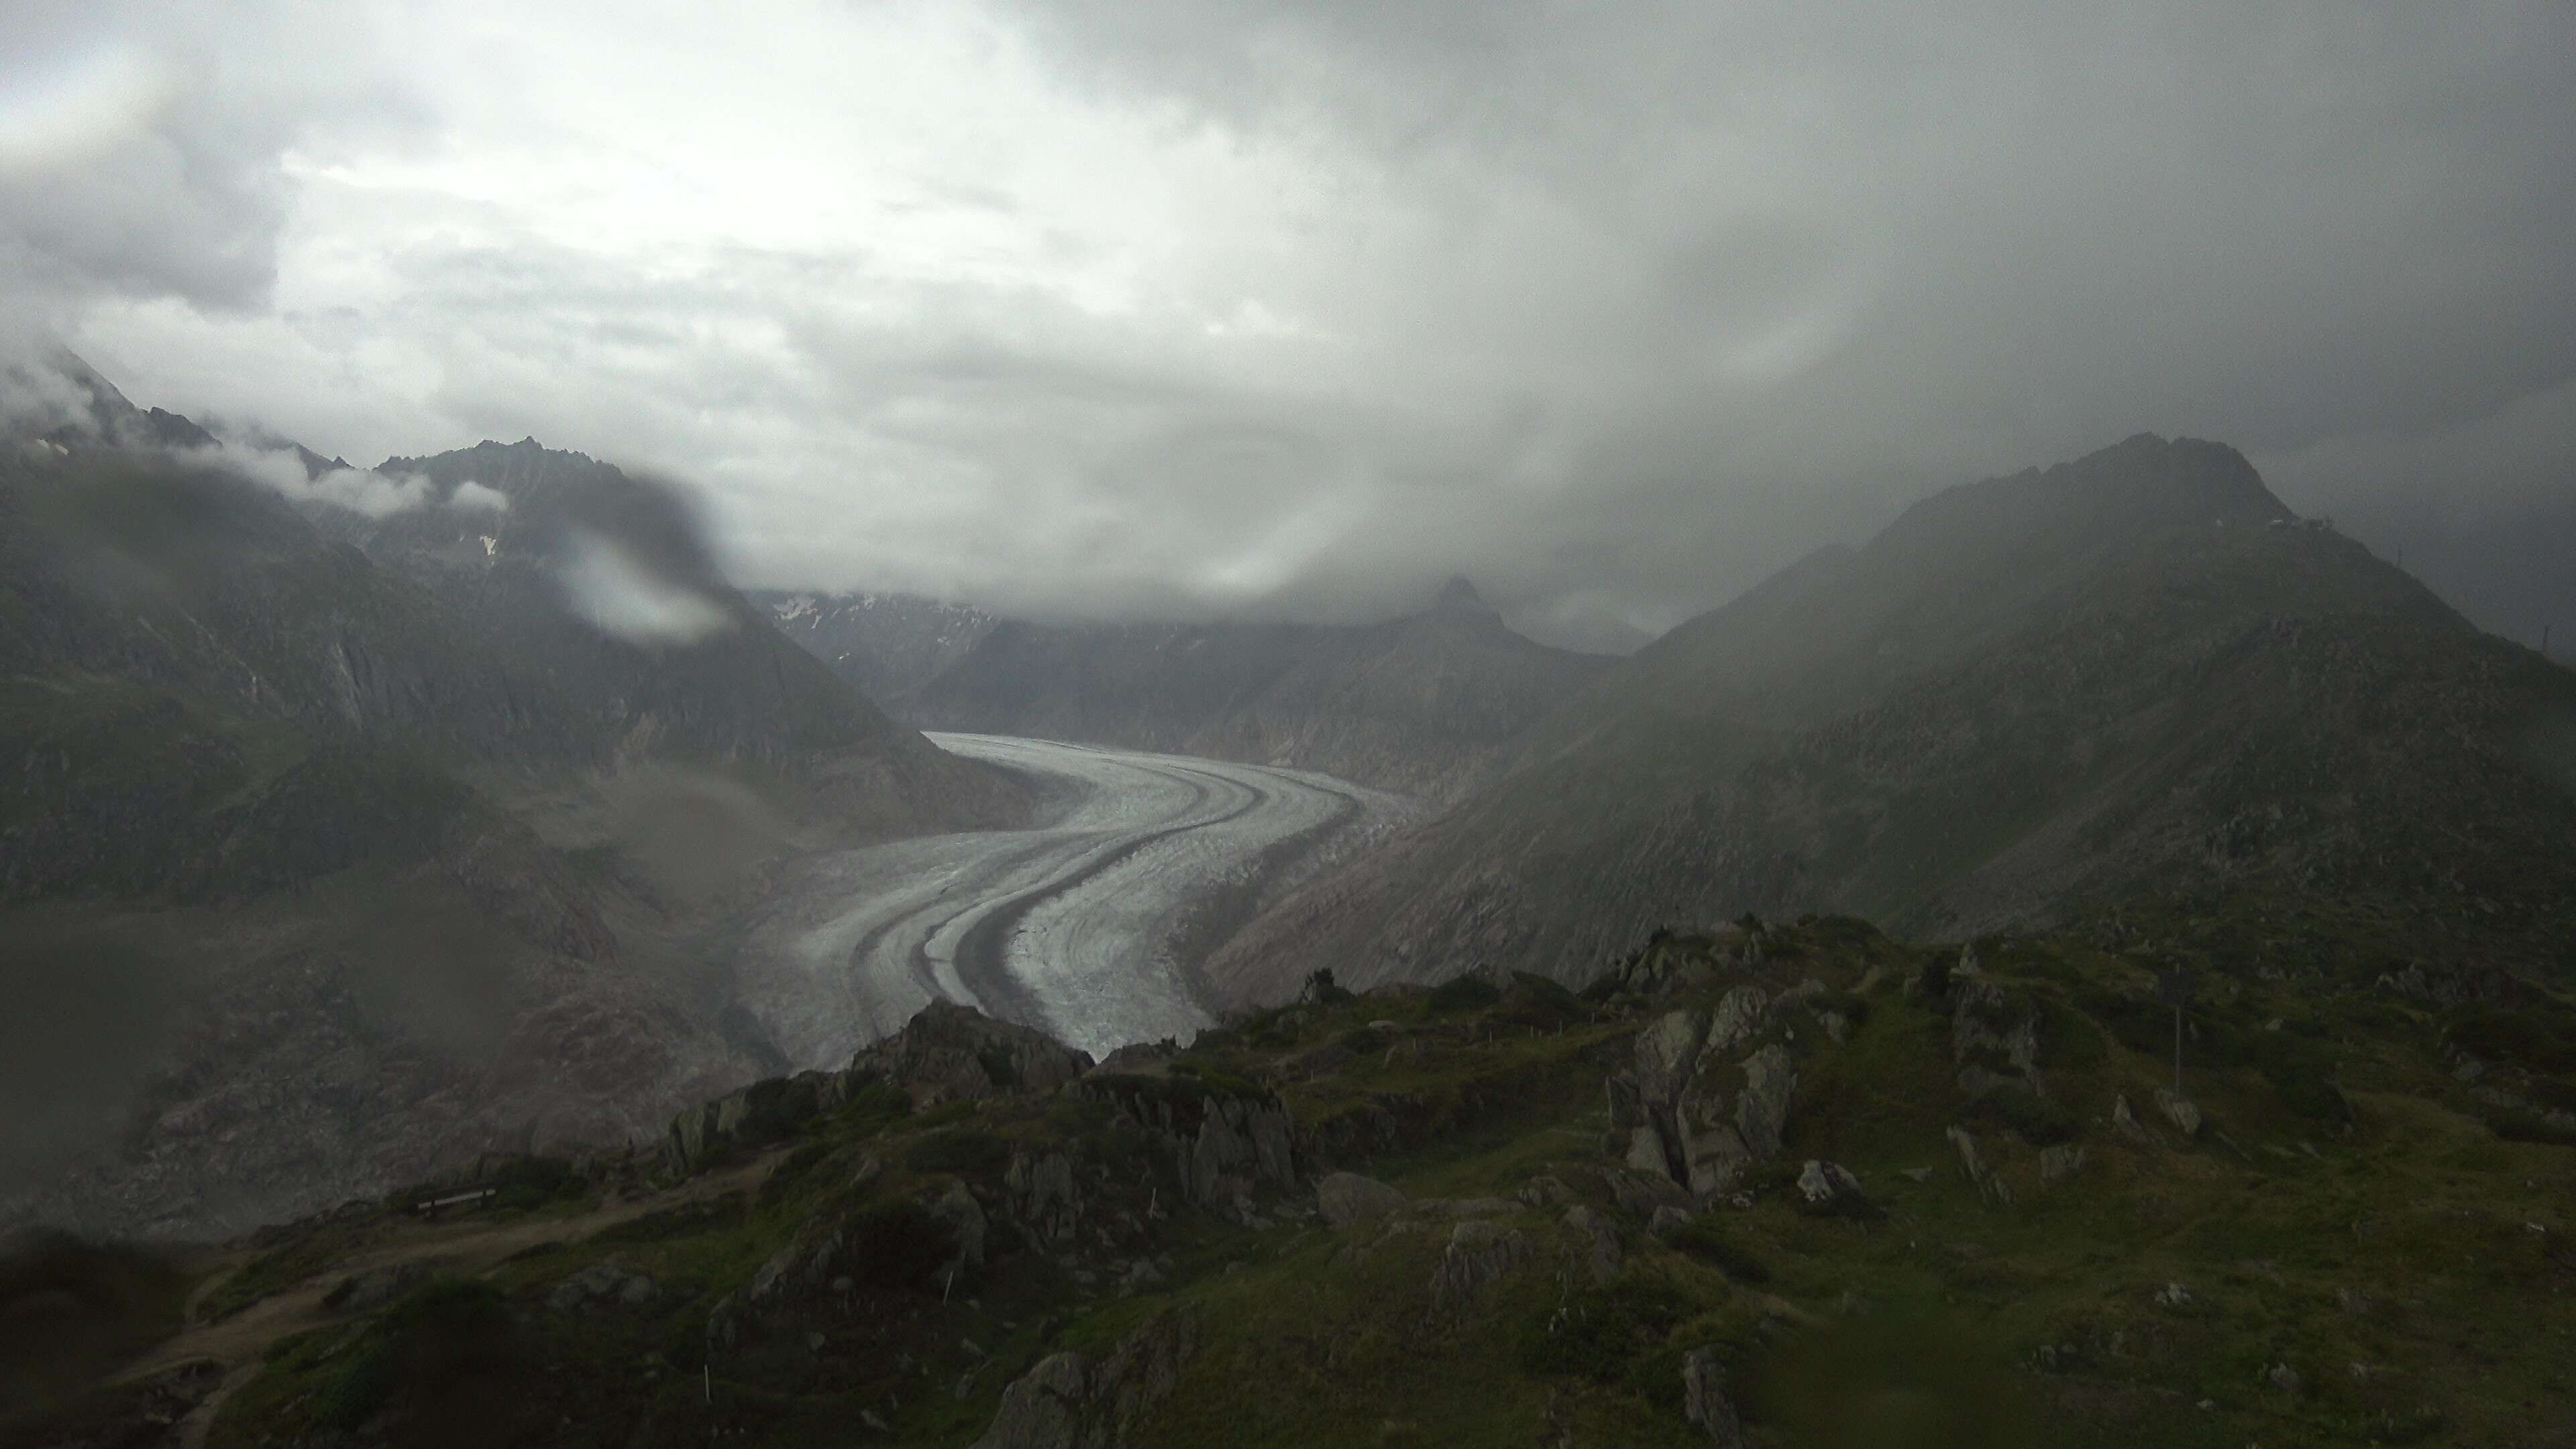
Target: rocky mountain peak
(1458,596)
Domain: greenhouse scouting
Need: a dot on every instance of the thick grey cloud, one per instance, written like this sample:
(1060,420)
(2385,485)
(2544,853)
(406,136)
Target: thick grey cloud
(1180,306)
(140,143)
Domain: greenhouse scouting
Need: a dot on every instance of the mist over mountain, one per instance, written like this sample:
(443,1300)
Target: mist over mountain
(2134,676)
(1286,724)
(2507,574)
(1424,704)
(389,834)
(889,645)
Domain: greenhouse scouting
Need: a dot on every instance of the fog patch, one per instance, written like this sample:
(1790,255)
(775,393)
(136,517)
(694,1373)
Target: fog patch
(617,592)
(368,492)
(471,496)
(37,396)
(91,1016)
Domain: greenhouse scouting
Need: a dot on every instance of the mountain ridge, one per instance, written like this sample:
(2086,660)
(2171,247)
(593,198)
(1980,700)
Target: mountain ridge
(1422,704)
(2018,680)
(423,829)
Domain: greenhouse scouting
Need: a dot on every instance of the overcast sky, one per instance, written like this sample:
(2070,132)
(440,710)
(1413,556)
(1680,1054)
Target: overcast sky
(1185,306)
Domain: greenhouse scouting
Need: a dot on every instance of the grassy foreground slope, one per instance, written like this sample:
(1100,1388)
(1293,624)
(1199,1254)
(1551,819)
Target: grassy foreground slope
(2362,1240)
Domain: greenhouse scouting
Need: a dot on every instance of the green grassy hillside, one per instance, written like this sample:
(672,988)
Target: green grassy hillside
(2362,1239)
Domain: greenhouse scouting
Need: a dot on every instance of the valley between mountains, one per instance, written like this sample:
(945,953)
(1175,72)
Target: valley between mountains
(1091,924)
(480,977)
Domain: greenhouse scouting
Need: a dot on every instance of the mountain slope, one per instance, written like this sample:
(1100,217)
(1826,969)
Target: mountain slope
(1850,1191)
(600,581)
(323,864)
(1426,704)
(2129,675)
(889,645)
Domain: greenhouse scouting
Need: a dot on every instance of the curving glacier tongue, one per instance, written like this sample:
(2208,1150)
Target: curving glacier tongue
(1090,926)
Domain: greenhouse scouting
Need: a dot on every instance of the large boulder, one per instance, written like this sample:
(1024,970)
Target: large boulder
(1739,1016)
(1666,1052)
(1762,1109)
(1347,1199)
(1830,1188)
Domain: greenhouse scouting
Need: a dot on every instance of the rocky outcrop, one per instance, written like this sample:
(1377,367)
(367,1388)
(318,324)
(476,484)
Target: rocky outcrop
(1207,1146)
(1043,1193)
(963,1217)
(1990,1187)
(1677,960)
(2061,1162)
(2125,1121)
(1994,1041)
(762,1113)
(863,1246)
(1072,1401)
(598,1283)
(949,1052)
(1739,1016)
(1704,1400)
(1221,1143)
(945,1053)
(1597,1242)
(1690,1110)
(1762,1108)
(1479,1256)
(2179,1110)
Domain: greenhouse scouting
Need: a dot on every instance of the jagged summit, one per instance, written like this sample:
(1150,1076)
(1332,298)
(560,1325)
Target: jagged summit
(1459,596)
(2111,497)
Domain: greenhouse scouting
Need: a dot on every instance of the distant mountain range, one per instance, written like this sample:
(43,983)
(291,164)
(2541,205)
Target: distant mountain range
(890,645)
(1426,704)
(2134,677)
(380,806)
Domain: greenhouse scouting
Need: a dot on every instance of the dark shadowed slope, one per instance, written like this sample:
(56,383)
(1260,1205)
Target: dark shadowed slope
(601,582)
(2128,675)
(325,866)
(1426,704)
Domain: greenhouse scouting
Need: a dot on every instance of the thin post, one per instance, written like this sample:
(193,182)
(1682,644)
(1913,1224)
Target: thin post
(2177,1051)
